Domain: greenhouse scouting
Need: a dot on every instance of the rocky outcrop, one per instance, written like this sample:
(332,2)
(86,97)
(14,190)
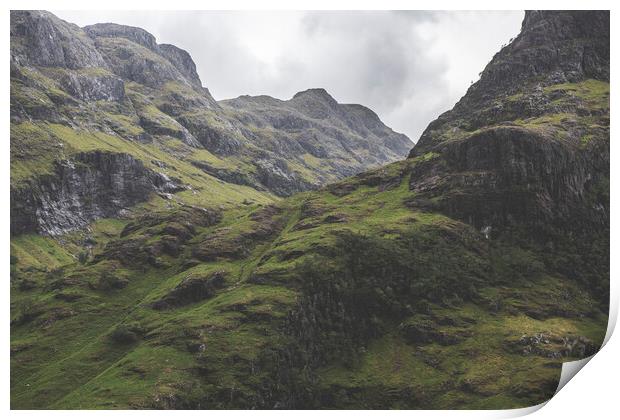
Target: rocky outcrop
(509,176)
(553,47)
(182,61)
(113,30)
(524,156)
(276,176)
(155,94)
(45,40)
(164,63)
(94,86)
(313,122)
(87,187)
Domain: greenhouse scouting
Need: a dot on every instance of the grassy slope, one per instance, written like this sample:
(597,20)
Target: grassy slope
(65,358)
(590,97)
(146,112)
(34,139)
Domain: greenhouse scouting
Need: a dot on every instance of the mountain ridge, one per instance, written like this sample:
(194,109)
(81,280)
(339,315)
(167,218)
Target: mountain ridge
(113,84)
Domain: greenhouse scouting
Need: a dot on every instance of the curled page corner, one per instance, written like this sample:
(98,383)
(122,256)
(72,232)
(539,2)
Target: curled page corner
(570,369)
(520,412)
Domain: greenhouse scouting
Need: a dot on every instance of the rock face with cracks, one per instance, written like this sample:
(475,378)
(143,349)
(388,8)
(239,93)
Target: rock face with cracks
(88,187)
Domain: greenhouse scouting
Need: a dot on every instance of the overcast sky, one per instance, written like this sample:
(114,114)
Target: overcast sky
(408,66)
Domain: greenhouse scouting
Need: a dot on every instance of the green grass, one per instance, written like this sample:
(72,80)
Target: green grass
(420,267)
(206,190)
(39,252)
(595,93)
(573,107)
(241,324)
(477,373)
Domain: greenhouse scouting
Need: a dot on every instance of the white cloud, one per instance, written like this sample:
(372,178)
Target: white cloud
(409,67)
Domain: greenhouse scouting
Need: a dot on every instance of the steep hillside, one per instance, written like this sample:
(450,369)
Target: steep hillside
(84,99)
(461,277)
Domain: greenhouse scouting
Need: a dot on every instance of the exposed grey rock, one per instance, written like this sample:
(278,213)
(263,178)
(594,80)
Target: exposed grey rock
(114,30)
(314,122)
(553,346)
(494,170)
(133,63)
(40,38)
(152,94)
(137,63)
(182,61)
(211,137)
(277,177)
(88,187)
(94,87)
(553,47)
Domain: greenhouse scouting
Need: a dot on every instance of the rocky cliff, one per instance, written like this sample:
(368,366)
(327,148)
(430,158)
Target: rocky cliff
(72,84)
(529,142)
(88,187)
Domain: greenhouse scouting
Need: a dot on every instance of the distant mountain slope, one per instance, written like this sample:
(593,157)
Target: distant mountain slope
(112,88)
(312,124)
(459,278)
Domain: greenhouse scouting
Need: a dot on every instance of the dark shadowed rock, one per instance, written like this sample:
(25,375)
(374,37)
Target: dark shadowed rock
(528,144)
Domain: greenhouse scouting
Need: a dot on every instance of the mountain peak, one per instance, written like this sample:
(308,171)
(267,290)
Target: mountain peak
(114,30)
(318,93)
(554,47)
(178,57)
(153,94)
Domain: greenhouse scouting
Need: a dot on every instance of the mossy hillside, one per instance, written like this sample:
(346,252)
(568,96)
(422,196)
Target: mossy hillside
(539,297)
(38,252)
(476,373)
(162,326)
(38,90)
(191,355)
(564,111)
(146,117)
(151,118)
(160,107)
(36,140)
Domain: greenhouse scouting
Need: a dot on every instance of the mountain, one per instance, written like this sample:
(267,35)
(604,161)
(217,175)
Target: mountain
(460,277)
(107,97)
(529,143)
